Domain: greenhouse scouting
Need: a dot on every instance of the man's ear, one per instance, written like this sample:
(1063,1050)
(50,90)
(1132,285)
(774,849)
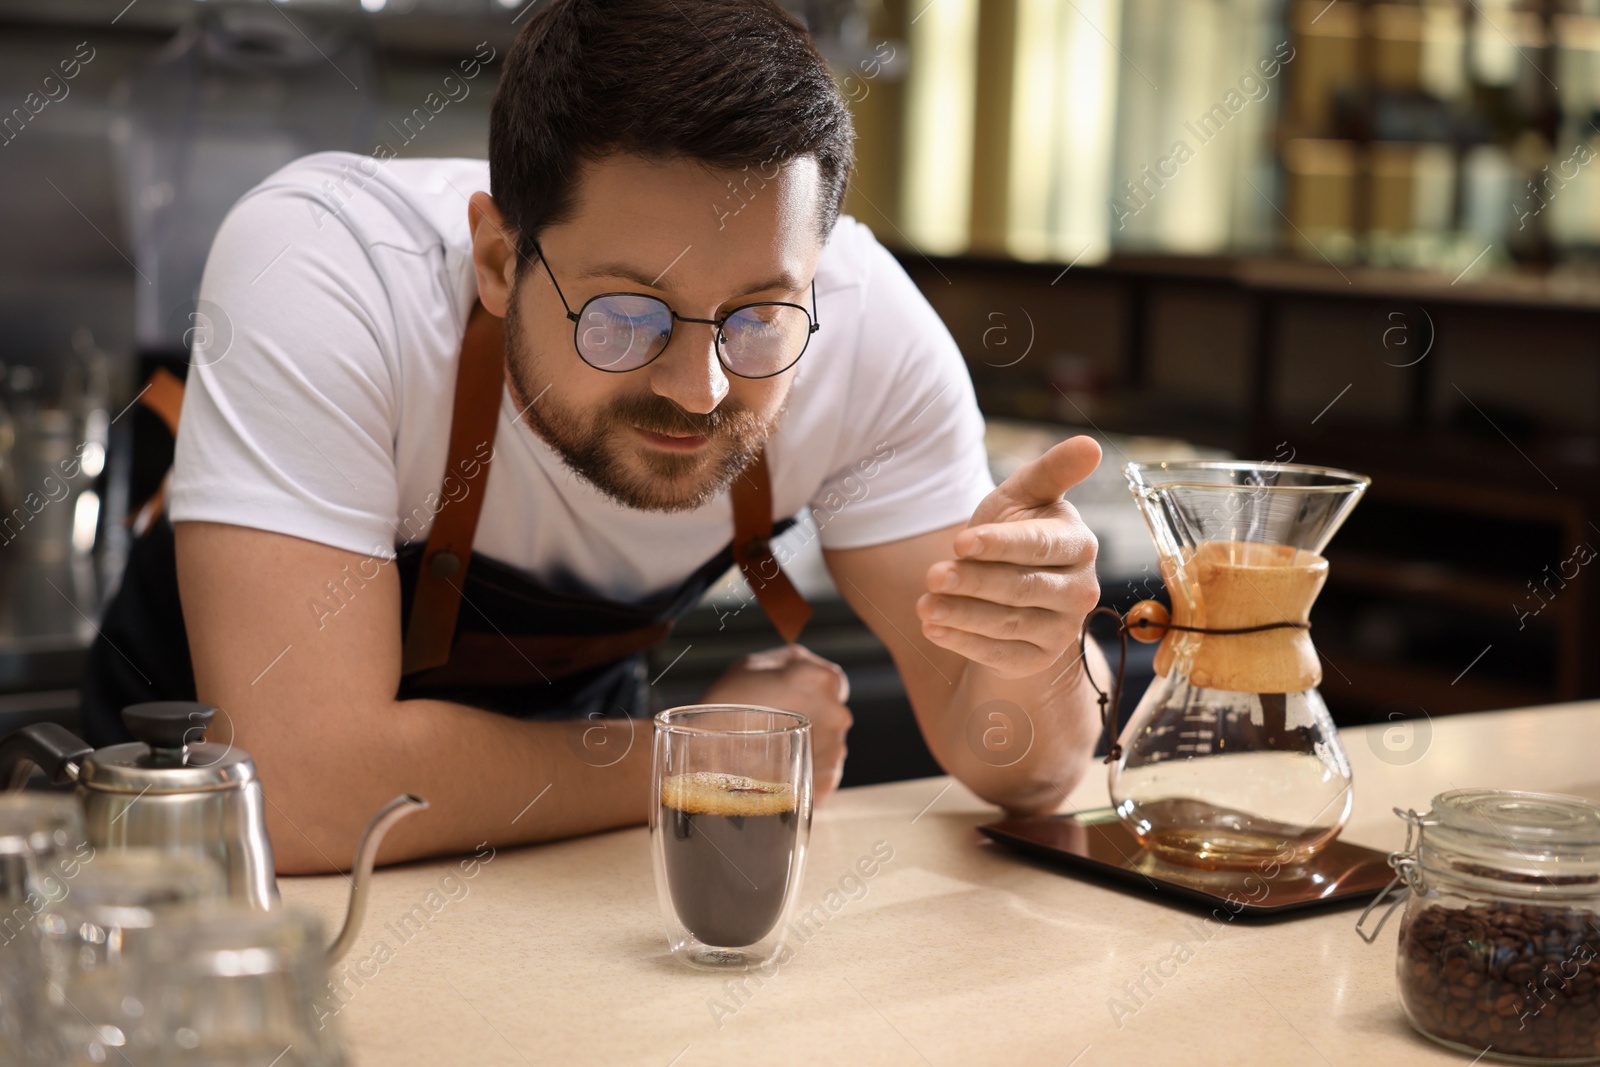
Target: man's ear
(494,253)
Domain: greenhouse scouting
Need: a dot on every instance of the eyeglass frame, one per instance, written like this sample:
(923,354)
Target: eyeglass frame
(576,318)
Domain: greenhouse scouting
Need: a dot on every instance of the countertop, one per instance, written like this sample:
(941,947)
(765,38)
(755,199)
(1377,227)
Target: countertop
(955,952)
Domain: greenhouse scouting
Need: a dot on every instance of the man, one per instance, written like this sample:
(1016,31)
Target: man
(402,571)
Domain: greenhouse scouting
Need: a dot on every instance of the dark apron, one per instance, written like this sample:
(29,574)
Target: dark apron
(477,631)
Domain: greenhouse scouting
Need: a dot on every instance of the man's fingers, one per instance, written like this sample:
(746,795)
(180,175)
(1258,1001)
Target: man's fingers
(1048,542)
(803,654)
(828,772)
(1004,583)
(771,659)
(1037,626)
(796,667)
(1009,659)
(842,686)
(791,656)
(1044,480)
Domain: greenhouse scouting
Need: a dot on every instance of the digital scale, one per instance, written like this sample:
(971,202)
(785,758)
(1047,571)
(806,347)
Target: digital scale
(1097,844)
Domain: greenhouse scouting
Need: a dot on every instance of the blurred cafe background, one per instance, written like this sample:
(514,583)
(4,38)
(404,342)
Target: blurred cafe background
(1344,233)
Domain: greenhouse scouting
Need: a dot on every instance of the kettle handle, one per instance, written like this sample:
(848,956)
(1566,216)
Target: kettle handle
(50,746)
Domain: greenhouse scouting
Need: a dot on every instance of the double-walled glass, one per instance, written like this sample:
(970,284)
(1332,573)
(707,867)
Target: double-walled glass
(729,820)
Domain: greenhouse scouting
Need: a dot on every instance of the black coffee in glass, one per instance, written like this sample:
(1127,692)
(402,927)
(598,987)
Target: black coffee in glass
(728,843)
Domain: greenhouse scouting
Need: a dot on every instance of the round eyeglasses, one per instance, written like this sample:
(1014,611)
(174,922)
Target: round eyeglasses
(620,332)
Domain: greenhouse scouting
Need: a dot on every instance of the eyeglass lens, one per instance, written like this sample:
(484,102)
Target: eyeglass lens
(620,332)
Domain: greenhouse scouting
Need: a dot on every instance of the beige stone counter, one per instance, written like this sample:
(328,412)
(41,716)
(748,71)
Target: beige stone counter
(956,952)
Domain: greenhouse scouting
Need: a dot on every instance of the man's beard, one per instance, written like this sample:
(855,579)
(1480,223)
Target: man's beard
(594,445)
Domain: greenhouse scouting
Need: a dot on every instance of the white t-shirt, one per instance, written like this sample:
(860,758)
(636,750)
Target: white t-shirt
(337,292)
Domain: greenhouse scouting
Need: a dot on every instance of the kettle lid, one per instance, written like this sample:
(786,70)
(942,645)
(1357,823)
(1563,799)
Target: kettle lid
(169,754)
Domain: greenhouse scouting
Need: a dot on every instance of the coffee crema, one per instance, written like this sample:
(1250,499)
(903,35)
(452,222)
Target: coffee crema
(729,844)
(710,793)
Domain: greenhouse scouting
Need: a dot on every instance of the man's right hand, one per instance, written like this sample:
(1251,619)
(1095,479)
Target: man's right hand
(794,678)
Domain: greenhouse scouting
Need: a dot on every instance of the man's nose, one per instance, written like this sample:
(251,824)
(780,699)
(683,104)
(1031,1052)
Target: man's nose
(688,373)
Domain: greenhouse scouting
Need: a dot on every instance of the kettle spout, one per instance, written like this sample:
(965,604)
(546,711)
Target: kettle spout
(361,871)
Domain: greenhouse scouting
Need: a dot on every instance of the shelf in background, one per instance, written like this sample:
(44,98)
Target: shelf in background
(1359,690)
(1433,581)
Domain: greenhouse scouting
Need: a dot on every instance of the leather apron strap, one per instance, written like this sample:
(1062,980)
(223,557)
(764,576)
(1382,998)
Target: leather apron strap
(162,394)
(480,375)
(752,550)
(474,419)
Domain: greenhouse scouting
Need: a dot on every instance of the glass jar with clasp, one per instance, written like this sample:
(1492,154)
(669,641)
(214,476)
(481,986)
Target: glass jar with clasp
(1499,947)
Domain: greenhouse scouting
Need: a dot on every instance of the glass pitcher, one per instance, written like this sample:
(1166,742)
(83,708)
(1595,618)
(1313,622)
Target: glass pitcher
(1231,759)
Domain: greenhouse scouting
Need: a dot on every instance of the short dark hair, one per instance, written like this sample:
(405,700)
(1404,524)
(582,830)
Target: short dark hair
(727,83)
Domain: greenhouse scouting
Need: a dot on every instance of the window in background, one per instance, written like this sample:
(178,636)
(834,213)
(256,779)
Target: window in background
(940,93)
(1201,88)
(1438,134)
(1064,86)
(1045,130)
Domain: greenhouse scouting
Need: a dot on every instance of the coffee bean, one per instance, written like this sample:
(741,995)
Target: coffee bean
(1518,977)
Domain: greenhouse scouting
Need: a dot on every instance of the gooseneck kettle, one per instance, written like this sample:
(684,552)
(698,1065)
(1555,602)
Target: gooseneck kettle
(172,789)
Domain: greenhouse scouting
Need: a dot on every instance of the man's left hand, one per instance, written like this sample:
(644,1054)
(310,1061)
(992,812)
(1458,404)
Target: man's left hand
(1015,598)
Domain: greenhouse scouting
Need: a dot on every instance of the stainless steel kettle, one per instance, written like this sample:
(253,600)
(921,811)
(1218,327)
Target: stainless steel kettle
(171,789)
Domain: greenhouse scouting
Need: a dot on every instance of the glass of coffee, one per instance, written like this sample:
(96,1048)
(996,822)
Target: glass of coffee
(729,819)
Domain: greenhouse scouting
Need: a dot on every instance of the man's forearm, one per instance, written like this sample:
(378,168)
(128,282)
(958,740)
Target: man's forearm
(486,777)
(1021,743)
(333,746)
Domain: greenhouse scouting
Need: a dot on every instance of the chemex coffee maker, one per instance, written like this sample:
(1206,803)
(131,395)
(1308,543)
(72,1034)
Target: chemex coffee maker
(173,790)
(1231,760)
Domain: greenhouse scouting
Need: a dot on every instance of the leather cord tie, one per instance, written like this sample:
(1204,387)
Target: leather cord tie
(1151,624)
(1110,702)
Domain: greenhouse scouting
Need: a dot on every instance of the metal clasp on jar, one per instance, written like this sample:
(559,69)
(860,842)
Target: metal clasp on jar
(1406,869)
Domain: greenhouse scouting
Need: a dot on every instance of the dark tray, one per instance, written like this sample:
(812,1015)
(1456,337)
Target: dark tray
(1097,844)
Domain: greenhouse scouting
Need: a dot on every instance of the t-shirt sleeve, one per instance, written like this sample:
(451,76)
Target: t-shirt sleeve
(911,457)
(288,414)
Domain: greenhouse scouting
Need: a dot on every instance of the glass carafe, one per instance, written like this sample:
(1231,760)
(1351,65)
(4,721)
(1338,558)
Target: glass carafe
(1231,759)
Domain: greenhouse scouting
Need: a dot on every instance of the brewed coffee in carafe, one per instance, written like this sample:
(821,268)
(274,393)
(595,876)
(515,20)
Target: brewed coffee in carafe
(1231,760)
